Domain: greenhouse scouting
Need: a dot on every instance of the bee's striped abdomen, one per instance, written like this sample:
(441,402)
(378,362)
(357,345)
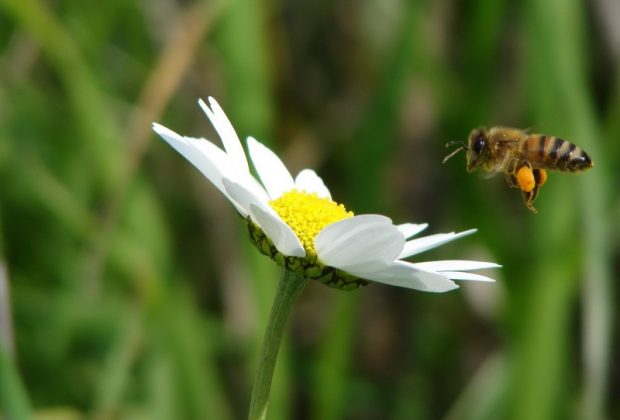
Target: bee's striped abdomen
(554,153)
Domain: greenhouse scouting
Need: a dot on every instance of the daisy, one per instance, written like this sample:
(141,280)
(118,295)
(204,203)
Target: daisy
(295,222)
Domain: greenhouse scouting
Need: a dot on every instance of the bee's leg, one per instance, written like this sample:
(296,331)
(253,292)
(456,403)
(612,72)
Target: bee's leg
(529,197)
(540,177)
(511,179)
(511,173)
(529,181)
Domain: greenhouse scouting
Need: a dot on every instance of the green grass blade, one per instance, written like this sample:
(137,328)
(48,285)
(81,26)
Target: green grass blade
(14,402)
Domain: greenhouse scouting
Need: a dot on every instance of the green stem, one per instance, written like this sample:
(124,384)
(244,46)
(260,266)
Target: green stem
(289,288)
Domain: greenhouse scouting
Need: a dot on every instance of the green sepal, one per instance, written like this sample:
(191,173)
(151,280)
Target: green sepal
(308,266)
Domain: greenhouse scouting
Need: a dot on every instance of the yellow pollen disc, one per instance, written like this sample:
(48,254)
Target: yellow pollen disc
(307,214)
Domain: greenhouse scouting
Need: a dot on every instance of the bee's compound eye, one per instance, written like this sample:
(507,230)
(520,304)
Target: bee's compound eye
(478,144)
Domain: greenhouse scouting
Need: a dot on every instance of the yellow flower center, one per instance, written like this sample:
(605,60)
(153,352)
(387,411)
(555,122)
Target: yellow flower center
(307,214)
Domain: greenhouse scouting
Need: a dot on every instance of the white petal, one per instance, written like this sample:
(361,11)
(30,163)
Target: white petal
(403,274)
(250,183)
(241,195)
(359,239)
(204,155)
(245,196)
(307,180)
(425,243)
(455,265)
(271,171)
(282,236)
(457,275)
(410,229)
(366,267)
(223,162)
(227,133)
(213,154)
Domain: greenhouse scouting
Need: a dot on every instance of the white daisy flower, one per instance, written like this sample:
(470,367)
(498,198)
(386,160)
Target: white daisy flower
(295,222)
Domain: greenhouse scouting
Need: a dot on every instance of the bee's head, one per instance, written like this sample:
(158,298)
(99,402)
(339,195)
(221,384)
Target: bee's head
(476,148)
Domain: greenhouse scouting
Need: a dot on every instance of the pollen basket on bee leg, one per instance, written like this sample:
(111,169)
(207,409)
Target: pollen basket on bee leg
(540,176)
(525,178)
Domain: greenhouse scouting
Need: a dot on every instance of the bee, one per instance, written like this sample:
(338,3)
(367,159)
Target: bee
(522,157)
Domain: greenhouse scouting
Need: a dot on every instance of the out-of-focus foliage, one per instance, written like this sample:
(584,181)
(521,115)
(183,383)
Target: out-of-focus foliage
(134,292)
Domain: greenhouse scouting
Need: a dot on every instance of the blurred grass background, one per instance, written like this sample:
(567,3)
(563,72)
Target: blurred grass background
(128,288)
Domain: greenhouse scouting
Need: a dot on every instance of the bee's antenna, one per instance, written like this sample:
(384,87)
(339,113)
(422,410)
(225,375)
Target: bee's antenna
(452,143)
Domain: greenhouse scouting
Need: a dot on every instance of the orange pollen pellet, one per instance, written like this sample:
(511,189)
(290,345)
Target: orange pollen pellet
(543,177)
(525,178)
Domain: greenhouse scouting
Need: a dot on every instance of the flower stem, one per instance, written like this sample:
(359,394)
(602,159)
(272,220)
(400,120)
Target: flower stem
(289,288)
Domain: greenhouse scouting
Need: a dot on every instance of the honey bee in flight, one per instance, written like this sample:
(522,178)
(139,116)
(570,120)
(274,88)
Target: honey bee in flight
(522,157)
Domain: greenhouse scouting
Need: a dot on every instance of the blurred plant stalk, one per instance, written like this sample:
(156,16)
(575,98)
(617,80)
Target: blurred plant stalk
(6,329)
(13,400)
